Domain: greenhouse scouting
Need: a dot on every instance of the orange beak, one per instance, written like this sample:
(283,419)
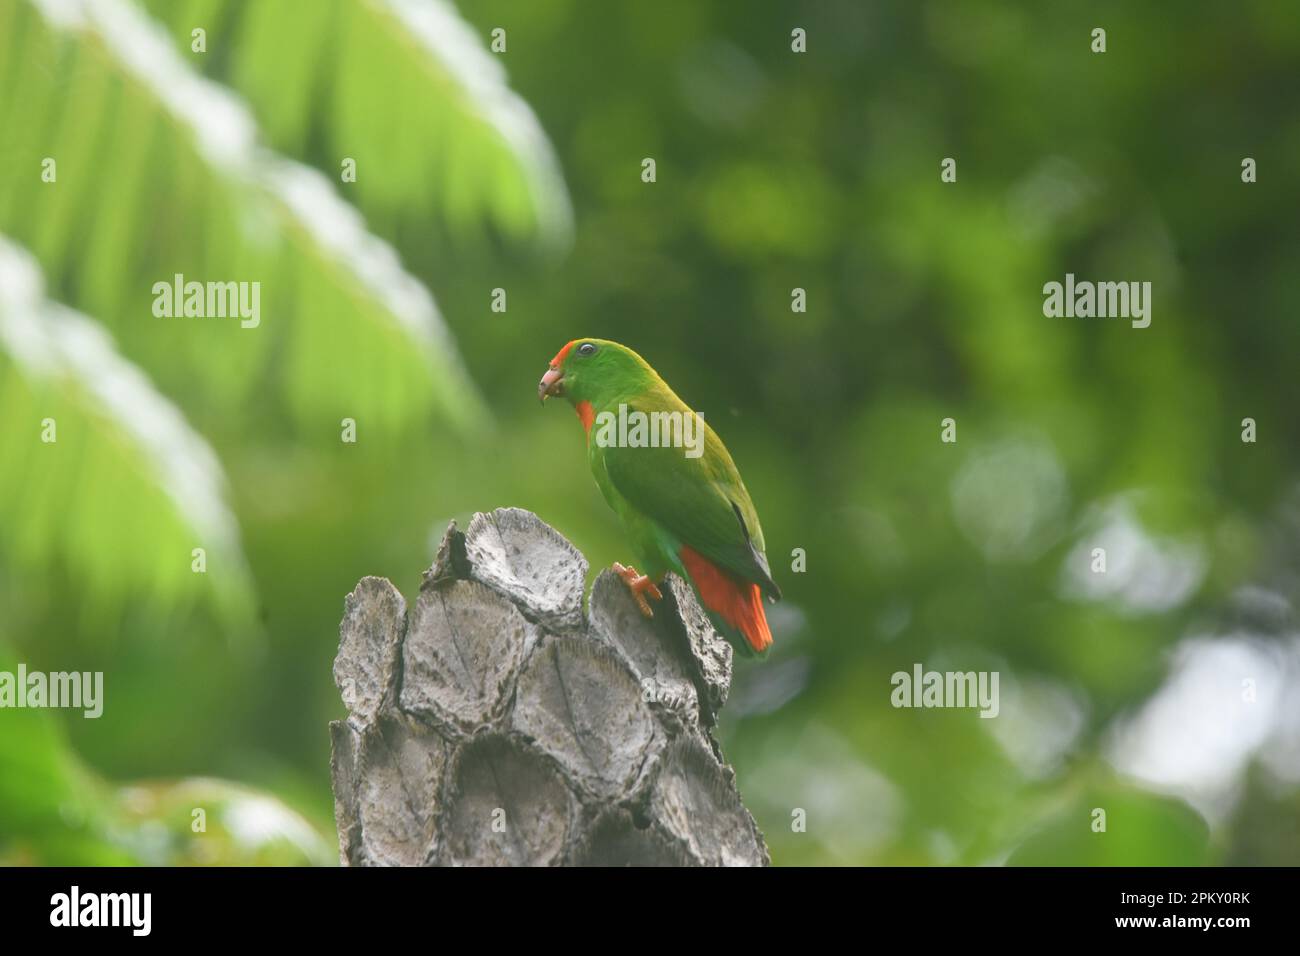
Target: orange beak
(550,384)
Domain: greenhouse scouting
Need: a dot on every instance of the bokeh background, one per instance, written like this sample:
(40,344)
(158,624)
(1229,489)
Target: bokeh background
(1166,691)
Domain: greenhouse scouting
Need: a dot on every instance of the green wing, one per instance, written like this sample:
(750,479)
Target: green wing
(700,501)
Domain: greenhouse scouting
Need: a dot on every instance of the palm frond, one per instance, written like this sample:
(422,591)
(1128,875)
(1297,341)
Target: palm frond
(159,174)
(126,490)
(468,151)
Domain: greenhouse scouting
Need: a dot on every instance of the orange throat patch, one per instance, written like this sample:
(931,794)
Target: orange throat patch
(585,415)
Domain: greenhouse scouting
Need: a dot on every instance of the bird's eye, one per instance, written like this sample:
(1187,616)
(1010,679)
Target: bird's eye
(587,348)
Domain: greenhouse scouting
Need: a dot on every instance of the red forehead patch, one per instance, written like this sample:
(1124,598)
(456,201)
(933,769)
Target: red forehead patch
(559,356)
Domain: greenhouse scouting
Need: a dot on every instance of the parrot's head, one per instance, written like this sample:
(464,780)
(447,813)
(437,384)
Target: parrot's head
(593,371)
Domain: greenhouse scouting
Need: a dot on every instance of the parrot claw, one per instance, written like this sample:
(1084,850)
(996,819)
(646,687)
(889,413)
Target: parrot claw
(640,585)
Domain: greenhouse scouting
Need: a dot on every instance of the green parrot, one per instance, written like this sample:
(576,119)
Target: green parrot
(673,483)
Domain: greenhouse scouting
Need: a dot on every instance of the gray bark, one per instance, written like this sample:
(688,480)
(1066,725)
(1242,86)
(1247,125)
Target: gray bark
(496,723)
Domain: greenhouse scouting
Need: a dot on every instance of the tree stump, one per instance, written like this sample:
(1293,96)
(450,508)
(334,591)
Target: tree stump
(496,723)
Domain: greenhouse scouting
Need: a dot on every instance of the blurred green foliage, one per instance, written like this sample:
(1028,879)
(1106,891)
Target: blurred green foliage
(775,170)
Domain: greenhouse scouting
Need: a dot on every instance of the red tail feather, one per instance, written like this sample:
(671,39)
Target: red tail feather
(737,602)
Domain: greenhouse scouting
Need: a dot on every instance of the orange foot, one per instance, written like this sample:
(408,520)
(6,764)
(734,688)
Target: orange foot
(640,585)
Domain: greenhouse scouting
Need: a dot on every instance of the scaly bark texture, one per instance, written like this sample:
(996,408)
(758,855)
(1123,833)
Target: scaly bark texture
(496,723)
